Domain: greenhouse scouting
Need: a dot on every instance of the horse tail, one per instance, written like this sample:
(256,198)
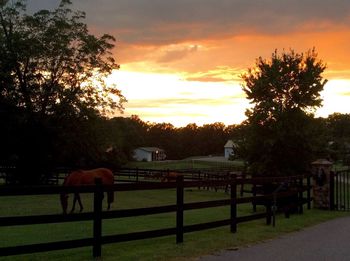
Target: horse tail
(110,181)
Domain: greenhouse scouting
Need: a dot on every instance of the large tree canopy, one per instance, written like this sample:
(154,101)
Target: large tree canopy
(52,90)
(283,83)
(284,90)
(50,63)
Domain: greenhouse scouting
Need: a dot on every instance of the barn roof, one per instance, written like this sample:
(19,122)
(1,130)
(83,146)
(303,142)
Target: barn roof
(321,162)
(150,149)
(229,144)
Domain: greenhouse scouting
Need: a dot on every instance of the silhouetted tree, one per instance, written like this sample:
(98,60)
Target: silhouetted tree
(189,141)
(338,126)
(52,74)
(212,138)
(163,135)
(284,90)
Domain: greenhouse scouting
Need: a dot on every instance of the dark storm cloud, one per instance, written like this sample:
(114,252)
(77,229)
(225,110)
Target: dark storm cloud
(171,21)
(35,5)
(165,21)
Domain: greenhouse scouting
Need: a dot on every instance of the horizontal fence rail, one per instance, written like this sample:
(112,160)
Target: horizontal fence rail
(98,215)
(131,175)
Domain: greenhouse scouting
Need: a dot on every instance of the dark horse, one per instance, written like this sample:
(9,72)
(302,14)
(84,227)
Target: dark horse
(86,177)
(170,177)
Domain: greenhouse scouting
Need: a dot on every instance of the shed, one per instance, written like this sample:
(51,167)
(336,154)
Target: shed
(149,154)
(229,149)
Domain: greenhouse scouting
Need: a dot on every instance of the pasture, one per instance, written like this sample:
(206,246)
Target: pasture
(191,163)
(163,248)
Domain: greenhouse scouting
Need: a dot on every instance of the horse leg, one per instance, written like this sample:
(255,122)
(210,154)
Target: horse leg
(77,198)
(74,202)
(110,199)
(79,201)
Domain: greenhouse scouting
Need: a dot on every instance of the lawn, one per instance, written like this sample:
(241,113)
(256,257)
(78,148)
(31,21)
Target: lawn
(187,164)
(164,248)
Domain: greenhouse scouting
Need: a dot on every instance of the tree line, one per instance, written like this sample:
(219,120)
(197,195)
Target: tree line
(178,143)
(330,138)
(101,141)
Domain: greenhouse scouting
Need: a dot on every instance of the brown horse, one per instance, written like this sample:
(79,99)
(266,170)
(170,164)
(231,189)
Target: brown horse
(86,177)
(170,177)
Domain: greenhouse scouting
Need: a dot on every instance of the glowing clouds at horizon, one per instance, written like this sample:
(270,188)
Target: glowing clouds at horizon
(169,98)
(336,98)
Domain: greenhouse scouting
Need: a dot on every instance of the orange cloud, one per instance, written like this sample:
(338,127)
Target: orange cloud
(225,59)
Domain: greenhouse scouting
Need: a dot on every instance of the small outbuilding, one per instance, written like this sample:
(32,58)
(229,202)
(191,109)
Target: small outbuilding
(149,154)
(229,149)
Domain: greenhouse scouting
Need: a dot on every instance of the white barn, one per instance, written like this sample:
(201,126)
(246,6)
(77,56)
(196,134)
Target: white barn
(149,154)
(229,149)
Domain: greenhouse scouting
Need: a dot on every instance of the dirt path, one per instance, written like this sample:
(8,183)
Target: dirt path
(323,242)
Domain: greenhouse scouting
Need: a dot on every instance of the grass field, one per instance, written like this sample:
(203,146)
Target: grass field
(164,248)
(193,163)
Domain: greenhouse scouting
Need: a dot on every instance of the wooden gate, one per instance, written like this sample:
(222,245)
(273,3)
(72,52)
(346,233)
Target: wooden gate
(341,190)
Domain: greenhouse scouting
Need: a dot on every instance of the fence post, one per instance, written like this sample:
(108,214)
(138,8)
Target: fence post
(308,191)
(199,179)
(274,209)
(137,174)
(331,191)
(254,195)
(207,177)
(233,186)
(179,209)
(269,212)
(300,196)
(98,195)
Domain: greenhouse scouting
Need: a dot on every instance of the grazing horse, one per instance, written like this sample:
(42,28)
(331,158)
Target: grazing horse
(86,177)
(170,176)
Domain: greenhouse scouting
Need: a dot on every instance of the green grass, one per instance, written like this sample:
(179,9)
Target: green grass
(339,166)
(164,248)
(185,164)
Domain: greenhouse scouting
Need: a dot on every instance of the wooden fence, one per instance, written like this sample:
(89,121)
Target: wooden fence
(143,175)
(133,175)
(97,239)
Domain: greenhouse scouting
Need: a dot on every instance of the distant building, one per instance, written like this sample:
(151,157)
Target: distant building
(229,149)
(149,154)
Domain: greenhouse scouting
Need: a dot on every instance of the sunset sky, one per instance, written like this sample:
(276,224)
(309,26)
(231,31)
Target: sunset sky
(181,60)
